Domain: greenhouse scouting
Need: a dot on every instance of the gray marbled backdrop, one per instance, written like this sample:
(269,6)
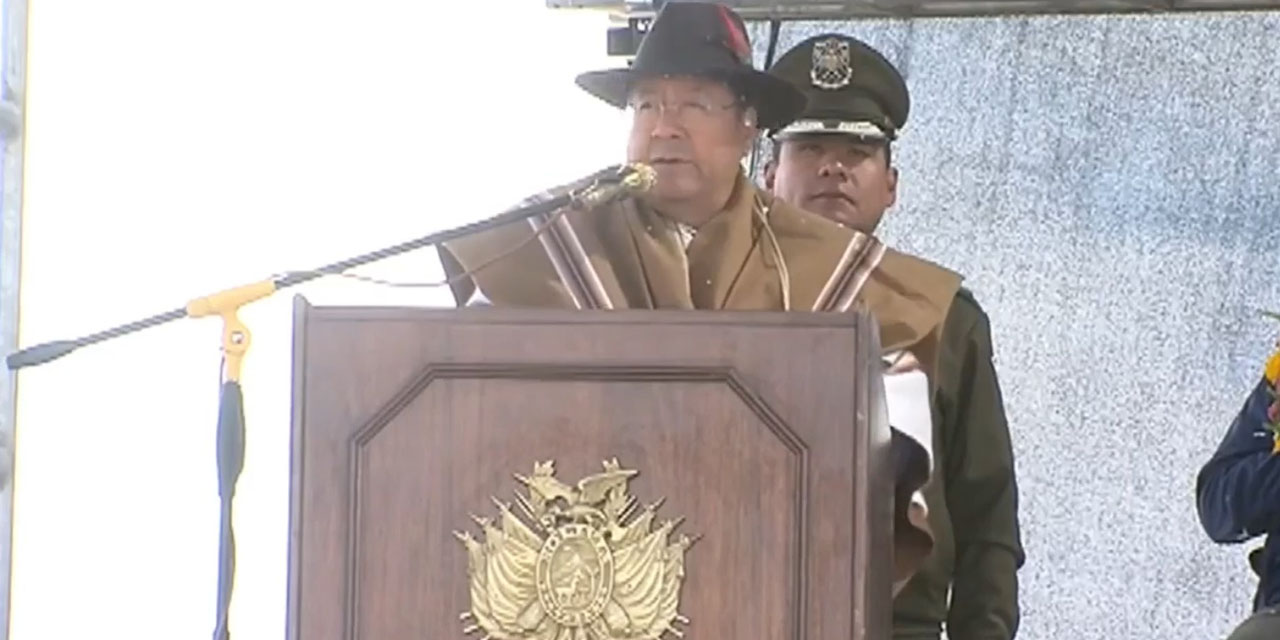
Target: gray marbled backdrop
(1110,186)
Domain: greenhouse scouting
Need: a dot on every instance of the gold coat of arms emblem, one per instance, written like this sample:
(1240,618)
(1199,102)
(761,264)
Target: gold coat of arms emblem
(832,64)
(583,564)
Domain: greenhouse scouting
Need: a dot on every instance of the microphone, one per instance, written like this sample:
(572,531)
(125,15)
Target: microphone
(632,179)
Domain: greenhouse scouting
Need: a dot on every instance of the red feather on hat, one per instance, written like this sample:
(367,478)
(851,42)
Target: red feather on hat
(737,39)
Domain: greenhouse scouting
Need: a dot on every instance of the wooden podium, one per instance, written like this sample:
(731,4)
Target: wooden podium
(419,443)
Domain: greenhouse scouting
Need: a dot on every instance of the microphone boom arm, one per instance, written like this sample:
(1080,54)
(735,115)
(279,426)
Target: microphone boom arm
(227,303)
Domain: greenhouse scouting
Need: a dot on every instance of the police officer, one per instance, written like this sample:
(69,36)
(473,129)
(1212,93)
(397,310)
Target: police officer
(836,160)
(1238,496)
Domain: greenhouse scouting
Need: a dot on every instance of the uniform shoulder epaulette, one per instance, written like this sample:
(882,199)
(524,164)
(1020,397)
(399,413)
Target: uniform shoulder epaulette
(968,302)
(964,293)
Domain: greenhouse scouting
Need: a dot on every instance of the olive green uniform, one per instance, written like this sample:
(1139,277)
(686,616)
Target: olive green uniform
(972,496)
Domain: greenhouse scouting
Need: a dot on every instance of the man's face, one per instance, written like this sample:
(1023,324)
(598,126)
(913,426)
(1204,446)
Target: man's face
(840,177)
(692,131)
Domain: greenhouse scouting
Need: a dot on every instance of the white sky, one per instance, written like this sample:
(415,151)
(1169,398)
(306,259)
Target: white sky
(178,147)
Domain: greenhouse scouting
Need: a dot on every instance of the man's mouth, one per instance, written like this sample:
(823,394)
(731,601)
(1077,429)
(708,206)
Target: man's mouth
(833,195)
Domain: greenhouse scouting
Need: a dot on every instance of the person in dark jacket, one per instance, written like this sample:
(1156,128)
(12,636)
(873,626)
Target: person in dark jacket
(1238,497)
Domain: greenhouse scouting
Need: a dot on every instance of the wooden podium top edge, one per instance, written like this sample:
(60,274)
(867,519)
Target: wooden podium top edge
(526,316)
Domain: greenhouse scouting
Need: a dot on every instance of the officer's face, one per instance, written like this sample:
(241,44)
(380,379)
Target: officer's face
(693,132)
(836,176)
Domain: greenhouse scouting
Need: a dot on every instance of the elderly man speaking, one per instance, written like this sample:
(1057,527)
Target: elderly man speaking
(705,237)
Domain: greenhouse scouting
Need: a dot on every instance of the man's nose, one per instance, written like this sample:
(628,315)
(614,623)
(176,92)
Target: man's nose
(667,125)
(832,167)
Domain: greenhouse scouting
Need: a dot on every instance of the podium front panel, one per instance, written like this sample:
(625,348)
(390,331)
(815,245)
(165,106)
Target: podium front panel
(611,474)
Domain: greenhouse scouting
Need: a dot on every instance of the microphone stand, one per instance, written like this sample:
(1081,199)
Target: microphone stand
(236,339)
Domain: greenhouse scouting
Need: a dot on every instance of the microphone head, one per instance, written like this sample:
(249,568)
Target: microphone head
(628,180)
(638,177)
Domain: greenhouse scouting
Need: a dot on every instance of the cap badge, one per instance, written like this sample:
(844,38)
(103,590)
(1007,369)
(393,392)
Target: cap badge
(832,64)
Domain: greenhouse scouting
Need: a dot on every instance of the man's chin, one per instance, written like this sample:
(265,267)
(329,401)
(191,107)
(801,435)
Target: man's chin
(835,210)
(674,188)
(674,171)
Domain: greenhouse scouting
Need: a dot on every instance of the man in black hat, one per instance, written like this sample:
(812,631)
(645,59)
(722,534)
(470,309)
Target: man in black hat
(705,237)
(836,159)
(697,103)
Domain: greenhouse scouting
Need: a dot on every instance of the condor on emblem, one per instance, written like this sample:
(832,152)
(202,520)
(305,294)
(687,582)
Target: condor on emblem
(832,64)
(587,565)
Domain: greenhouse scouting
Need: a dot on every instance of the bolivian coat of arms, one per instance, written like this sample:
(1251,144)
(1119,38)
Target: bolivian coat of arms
(587,565)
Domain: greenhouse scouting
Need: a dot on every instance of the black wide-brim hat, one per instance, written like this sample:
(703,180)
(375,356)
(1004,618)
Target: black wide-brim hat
(707,40)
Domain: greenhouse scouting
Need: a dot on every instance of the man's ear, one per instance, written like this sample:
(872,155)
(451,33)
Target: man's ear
(893,187)
(770,172)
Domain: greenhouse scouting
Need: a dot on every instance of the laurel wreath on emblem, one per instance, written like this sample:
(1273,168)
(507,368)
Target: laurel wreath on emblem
(586,567)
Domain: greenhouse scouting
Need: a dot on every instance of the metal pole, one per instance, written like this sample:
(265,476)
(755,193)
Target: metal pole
(13,66)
